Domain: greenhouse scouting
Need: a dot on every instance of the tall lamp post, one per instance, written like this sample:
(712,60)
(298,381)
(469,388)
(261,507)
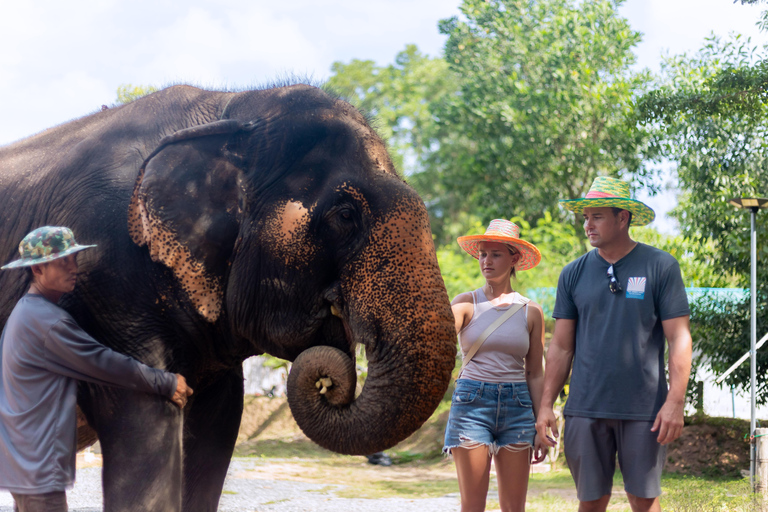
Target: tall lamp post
(753,204)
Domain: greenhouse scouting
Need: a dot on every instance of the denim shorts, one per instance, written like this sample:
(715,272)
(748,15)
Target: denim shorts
(495,415)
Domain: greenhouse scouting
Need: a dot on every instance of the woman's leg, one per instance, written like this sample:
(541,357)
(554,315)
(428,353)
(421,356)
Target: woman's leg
(512,468)
(473,467)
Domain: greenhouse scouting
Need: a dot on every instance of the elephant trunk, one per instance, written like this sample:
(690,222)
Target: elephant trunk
(397,306)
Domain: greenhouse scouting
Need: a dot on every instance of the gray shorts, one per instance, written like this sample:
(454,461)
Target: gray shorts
(591,445)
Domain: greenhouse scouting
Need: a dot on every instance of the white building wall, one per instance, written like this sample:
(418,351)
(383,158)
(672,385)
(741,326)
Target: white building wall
(263,380)
(719,401)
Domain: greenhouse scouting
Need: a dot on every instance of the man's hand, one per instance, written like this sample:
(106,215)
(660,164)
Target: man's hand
(183,392)
(547,420)
(669,422)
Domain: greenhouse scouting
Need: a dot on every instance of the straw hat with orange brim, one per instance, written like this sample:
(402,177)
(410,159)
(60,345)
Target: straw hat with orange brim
(610,192)
(506,232)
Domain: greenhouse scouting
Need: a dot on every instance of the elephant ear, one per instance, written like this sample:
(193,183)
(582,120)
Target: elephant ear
(184,208)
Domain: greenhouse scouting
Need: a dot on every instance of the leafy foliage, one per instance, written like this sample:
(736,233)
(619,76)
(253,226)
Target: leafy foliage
(722,333)
(709,117)
(719,156)
(528,105)
(731,86)
(543,89)
(127,93)
(398,96)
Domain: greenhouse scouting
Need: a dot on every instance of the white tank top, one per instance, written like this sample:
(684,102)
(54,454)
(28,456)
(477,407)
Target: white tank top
(501,358)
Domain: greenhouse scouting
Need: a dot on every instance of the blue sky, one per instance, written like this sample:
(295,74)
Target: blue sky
(63,60)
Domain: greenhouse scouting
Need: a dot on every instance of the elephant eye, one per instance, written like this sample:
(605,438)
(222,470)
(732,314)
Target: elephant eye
(343,221)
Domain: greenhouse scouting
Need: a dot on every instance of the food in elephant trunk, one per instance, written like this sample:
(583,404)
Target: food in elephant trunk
(393,308)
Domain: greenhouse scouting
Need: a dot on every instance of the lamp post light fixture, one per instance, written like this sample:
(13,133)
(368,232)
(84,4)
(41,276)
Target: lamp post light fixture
(753,204)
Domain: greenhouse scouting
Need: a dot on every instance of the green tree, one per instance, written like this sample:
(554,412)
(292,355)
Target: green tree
(127,93)
(543,91)
(710,119)
(718,155)
(397,97)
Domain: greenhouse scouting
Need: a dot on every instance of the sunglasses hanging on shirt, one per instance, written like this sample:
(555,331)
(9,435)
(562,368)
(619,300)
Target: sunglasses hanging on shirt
(613,283)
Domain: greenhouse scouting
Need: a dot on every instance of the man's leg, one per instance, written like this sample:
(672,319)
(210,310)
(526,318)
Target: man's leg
(599,505)
(49,502)
(644,504)
(641,459)
(590,449)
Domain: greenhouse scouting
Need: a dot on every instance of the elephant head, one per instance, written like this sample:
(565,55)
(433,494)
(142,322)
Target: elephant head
(286,225)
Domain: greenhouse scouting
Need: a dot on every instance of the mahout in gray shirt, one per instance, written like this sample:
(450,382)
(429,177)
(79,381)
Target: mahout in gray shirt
(43,353)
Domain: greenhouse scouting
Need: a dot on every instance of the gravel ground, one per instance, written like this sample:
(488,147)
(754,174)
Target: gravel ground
(252,495)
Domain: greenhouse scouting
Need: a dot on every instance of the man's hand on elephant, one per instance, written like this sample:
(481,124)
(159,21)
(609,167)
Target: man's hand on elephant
(545,421)
(183,392)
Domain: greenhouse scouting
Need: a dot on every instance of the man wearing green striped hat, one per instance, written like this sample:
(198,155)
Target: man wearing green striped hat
(614,308)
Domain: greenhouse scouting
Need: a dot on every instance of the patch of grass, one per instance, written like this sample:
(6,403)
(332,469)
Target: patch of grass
(683,493)
(324,490)
(273,502)
(228,492)
(283,449)
(400,489)
(408,457)
(557,479)
(547,502)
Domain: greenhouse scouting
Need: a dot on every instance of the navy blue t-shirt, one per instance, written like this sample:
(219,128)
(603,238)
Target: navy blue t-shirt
(618,364)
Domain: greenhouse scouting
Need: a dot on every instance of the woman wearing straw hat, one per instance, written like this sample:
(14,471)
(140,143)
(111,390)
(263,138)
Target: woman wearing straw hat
(493,409)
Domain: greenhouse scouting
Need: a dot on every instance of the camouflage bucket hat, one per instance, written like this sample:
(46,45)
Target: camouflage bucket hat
(610,192)
(46,244)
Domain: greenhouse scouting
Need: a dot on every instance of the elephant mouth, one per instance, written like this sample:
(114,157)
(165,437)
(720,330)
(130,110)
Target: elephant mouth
(336,330)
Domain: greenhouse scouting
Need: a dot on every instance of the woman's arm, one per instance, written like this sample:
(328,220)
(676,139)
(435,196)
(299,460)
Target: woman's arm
(463,309)
(534,372)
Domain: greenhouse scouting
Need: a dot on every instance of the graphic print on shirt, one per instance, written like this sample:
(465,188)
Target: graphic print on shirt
(636,287)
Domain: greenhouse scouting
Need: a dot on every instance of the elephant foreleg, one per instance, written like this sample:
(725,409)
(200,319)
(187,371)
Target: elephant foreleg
(141,443)
(210,432)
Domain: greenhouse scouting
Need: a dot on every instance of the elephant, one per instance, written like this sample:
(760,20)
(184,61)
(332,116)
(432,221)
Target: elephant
(232,224)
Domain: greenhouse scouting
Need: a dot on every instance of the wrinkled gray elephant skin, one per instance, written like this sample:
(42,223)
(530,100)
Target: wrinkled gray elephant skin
(228,225)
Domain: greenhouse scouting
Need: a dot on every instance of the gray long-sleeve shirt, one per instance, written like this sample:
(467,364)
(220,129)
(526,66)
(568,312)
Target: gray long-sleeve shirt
(43,352)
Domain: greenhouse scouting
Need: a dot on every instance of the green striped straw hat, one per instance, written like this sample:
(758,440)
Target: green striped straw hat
(611,193)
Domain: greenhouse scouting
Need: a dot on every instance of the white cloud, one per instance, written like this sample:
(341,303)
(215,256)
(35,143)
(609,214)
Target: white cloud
(681,26)
(62,60)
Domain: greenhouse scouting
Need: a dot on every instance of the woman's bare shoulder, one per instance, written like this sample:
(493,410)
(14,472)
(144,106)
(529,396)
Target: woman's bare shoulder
(538,309)
(462,298)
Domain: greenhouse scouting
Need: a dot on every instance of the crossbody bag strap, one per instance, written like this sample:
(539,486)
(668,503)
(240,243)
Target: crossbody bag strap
(487,332)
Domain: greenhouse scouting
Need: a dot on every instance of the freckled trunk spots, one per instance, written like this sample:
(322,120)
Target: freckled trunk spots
(285,235)
(204,290)
(399,309)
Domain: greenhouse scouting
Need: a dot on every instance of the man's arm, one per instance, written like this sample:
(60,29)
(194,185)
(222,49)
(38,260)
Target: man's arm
(558,366)
(70,351)
(669,420)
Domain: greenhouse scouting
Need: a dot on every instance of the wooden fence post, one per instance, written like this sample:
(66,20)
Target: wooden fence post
(761,462)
